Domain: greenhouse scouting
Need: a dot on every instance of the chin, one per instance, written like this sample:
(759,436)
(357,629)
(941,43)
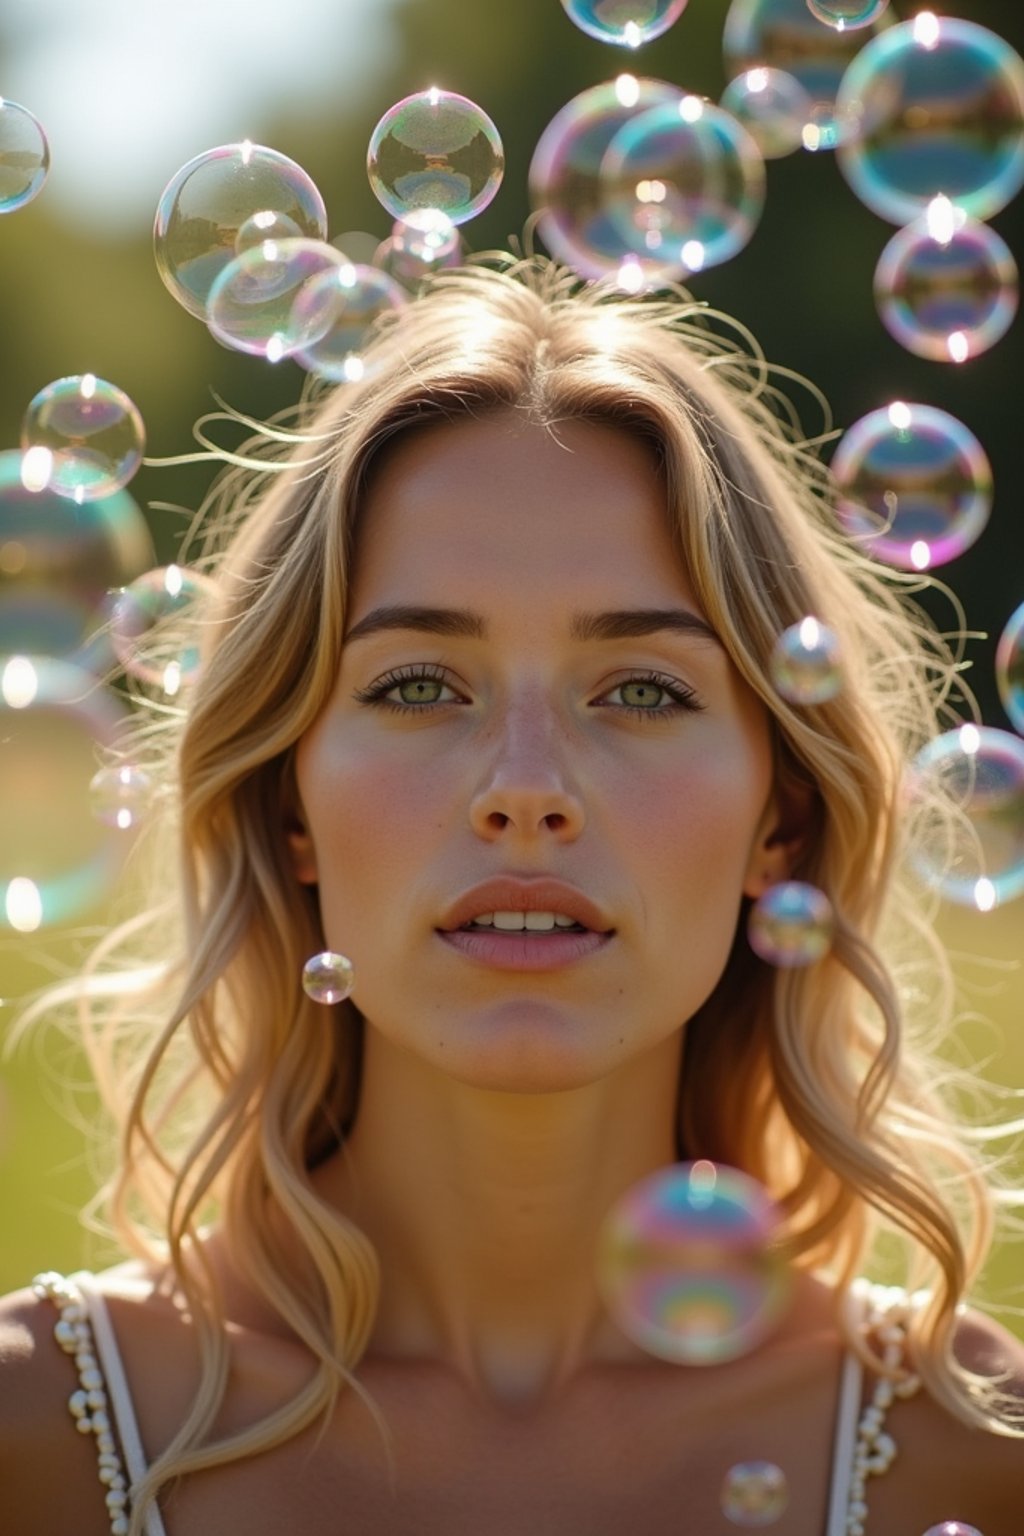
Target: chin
(528,1046)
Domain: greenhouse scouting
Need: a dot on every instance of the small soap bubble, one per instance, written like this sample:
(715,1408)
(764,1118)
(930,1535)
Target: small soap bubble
(56,860)
(684,183)
(982,770)
(569,193)
(212,199)
(625,22)
(355,298)
(915,485)
(261,301)
(266,225)
(328,977)
(435,150)
(58,560)
(952,1528)
(847,15)
(121,796)
(791,924)
(83,438)
(773,107)
(806,663)
(754,1493)
(689,1266)
(1010,668)
(939,108)
(946,285)
(153,626)
(423,243)
(783,34)
(24,156)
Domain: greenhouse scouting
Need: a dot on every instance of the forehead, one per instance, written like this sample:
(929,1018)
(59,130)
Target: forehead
(501,500)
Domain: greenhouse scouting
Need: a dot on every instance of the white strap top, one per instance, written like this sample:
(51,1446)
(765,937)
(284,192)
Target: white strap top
(860,1449)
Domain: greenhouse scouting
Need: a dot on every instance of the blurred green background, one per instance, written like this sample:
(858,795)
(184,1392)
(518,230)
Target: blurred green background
(129,91)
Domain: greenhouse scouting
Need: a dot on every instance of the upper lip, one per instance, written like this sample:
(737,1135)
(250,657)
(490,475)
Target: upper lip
(511,895)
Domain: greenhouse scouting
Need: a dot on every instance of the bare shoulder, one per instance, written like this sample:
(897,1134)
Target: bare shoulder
(47,1470)
(947,1470)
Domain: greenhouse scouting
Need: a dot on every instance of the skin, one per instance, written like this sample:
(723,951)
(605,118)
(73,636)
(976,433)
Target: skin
(532,1101)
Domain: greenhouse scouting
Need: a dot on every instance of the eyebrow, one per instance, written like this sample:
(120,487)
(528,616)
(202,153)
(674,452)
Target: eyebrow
(618,624)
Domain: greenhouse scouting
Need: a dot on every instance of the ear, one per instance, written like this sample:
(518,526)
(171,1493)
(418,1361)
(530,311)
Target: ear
(301,852)
(782,835)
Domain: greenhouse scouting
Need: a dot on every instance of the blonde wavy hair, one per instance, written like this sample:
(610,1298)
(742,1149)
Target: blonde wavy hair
(822,1082)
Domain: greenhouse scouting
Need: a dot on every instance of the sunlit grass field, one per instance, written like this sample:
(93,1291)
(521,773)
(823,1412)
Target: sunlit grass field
(45,1178)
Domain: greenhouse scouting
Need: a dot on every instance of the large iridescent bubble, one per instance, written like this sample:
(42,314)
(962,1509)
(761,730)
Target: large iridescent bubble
(568,191)
(783,34)
(981,769)
(939,108)
(82,438)
(207,211)
(1010,668)
(689,1264)
(58,560)
(56,861)
(24,156)
(436,149)
(946,285)
(915,485)
(625,22)
(254,304)
(684,184)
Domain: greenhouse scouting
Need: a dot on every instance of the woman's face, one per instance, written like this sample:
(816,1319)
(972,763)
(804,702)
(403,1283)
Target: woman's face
(629,761)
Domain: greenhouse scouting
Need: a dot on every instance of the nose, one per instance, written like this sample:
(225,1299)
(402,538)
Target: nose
(525,789)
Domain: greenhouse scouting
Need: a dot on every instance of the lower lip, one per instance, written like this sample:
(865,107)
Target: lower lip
(522,951)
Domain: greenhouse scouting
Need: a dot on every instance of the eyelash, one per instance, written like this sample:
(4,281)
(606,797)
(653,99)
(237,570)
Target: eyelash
(684,698)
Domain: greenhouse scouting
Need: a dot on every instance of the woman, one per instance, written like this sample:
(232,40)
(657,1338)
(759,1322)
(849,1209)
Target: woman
(498,642)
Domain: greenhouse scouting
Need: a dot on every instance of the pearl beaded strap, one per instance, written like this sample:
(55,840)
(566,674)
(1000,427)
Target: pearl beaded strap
(88,1405)
(875,1451)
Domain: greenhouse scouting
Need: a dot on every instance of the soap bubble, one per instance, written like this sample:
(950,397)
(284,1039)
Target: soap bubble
(568,192)
(435,150)
(982,769)
(688,1264)
(55,860)
(121,796)
(805,663)
(153,624)
(915,484)
(354,298)
(946,285)
(423,243)
(684,183)
(754,1493)
(24,156)
(791,924)
(939,105)
(772,106)
(254,303)
(626,22)
(952,1528)
(58,560)
(1010,668)
(82,438)
(263,226)
(328,978)
(208,204)
(847,15)
(782,34)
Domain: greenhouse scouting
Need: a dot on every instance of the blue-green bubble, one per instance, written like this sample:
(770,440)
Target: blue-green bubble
(628,23)
(24,156)
(981,771)
(1010,668)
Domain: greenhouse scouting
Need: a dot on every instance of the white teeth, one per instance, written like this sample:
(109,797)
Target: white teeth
(513,922)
